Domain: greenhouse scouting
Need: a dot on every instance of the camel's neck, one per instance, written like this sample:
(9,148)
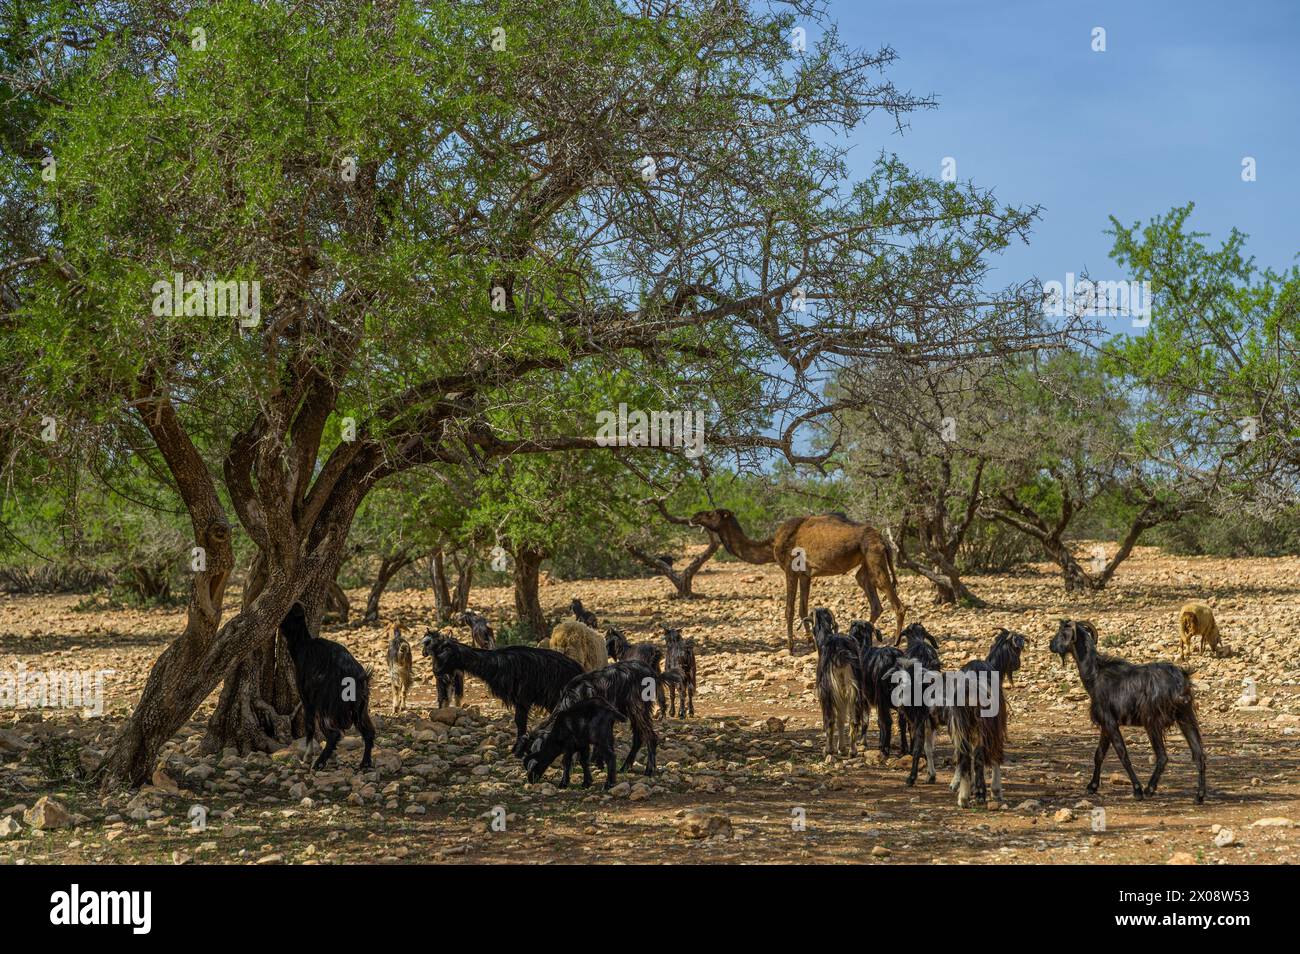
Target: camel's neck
(741,547)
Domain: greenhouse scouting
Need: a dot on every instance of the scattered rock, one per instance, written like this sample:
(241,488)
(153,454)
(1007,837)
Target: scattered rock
(699,823)
(48,813)
(1224,838)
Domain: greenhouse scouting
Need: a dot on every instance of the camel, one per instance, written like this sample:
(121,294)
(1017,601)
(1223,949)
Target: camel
(822,545)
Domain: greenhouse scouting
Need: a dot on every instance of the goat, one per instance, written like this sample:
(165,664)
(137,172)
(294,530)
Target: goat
(648,654)
(479,630)
(400,666)
(680,659)
(335,690)
(1197,619)
(583,615)
(1153,695)
(980,737)
(520,676)
(450,686)
(839,682)
(878,662)
(908,678)
(584,729)
(630,688)
(580,643)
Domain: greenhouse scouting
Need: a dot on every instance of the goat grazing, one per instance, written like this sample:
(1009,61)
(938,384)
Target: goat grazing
(680,659)
(584,729)
(980,736)
(583,615)
(335,690)
(580,643)
(630,688)
(1152,695)
(450,686)
(1197,619)
(479,630)
(878,663)
(520,676)
(647,654)
(908,695)
(839,682)
(400,666)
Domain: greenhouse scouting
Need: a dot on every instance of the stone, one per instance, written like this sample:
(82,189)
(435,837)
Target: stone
(1224,838)
(47,813)
(699,823)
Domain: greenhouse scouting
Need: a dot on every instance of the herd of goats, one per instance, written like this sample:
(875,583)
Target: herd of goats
(585,694)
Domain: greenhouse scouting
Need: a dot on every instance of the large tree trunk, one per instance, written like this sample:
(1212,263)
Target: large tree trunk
(528,606)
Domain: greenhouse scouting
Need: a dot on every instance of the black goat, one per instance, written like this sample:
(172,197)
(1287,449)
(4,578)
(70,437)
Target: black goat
(839,684)
(909,695)
(1152,695)
(630,688)
(878,662)
(450,685)
(582,615)
(520,676)
(978,722)
(335,690)
(584,729)
(479,630)
(680,659)
(648,654)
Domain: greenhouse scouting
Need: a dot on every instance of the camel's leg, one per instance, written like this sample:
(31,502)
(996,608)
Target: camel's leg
(790,584)
(863,576)
(805,584)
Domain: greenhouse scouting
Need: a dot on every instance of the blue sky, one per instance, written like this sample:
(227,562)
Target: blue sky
(1184,90)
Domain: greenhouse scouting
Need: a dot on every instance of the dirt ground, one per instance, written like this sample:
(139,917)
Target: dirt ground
(448,790)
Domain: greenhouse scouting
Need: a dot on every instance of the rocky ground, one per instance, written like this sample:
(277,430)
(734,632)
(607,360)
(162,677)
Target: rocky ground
(744,781)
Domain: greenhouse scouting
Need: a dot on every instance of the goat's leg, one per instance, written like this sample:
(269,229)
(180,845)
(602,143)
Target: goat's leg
(651,741)
(308,742)
(997,781)
(1099,756)
(636,746)
(1192,733)
(930,732)
(332,737)
(521,722)
(1162,758)
(961,778)
(690,689)
(885,718)
(903,746)
(918,740)
(367,730)
(566,767)
(805,583)
(584,756)
(611,776)
(828,727)
(981,793)
(440,682)
(1117,740)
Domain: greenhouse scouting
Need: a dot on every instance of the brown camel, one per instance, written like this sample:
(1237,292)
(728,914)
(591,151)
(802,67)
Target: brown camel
(823,545)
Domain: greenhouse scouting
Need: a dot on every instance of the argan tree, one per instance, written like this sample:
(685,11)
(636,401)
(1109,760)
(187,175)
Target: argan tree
(445,206)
